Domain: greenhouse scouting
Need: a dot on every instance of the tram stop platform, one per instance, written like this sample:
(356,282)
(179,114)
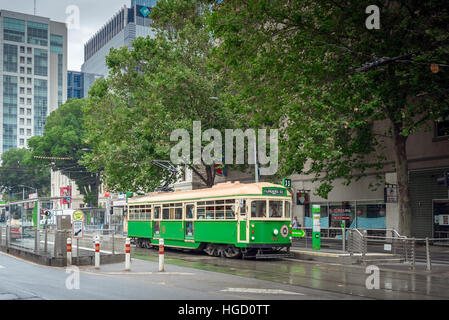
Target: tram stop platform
(337,256)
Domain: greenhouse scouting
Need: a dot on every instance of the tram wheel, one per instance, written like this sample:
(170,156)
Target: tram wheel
(232,252)
(147,244)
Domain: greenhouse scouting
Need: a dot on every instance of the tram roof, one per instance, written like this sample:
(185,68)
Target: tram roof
(219,190)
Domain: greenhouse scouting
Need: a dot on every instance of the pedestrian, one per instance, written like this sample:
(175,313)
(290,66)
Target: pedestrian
(295,223)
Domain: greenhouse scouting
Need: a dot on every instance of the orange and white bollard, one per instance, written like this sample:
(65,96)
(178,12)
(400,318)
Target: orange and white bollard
(69,251)
(161,255)
(127,255)
(97,254)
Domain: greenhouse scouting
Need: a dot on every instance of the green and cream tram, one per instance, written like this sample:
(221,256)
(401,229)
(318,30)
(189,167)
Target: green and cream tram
(229,219)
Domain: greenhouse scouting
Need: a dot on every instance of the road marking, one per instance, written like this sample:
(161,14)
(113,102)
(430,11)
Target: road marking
(261,291)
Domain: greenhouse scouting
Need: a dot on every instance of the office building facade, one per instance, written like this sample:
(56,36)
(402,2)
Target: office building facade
(33,75)
(119,31)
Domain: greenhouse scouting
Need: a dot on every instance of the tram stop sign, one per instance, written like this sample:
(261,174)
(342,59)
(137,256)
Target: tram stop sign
(78,224)
(298,233)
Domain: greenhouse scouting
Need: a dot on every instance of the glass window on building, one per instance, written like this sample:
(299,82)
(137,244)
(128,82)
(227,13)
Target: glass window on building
(22,70)
(29,60)
(9,110)
(29,101)
(22,100)
(22,111)
(342,212)
(28,112)
(22,80)
(40,62)
(29,71)
(13,29)
(22,131)
(442,128)
(22,142)
(28,132)
(22,90)
(22,49)
(371,215)
(10,60)
(29,50)
(29,81)
(22,121)
(37,33)
(22,59)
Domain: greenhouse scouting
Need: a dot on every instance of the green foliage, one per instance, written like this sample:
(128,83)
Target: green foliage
(18,169)
(65,137)
(161,84)
(295,64)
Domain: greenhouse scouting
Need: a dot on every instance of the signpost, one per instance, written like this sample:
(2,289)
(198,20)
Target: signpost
(316,229)
(78,224)
(298,233)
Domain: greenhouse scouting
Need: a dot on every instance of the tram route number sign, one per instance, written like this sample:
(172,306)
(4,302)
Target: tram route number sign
(78,224)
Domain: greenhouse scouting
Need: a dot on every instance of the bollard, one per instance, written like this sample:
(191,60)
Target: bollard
(344,238)
(69,251)
(429,263)
(97,254)
(161,255)
(127,255)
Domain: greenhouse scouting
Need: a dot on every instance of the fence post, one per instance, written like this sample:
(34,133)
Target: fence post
(7,236)
(127,255)
(429,263)
(364,245)
(413,254)
(69,251)
(344,238)
(97,253)
(161,255)
(113,247)
(36,240)
(45,240)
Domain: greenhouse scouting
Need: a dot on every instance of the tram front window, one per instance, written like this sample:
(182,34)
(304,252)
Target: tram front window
(276,209)
(259,209)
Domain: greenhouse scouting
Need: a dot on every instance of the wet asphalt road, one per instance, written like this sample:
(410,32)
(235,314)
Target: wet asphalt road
(343,279)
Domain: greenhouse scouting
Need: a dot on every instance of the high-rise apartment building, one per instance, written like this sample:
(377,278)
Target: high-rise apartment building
(33,75)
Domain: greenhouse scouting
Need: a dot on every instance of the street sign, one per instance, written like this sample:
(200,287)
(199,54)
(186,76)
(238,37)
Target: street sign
(298,233)
(287,182)
(78,224)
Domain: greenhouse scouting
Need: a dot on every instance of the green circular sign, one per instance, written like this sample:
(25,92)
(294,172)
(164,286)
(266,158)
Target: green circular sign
(78,215)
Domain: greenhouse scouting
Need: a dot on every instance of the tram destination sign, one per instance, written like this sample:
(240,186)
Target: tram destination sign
(273,191)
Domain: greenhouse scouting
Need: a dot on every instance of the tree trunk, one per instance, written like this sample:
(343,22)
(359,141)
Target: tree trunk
(400,155)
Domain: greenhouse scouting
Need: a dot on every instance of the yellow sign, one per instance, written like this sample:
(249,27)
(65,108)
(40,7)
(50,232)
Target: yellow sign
(78,215)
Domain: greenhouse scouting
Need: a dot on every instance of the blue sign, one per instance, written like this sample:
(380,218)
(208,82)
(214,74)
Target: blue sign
(145,11)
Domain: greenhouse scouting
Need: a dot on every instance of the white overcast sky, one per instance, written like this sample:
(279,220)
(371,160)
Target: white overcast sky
(93,14)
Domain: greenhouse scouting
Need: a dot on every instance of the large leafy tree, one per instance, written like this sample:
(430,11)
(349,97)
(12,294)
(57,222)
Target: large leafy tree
(316,71)
(63,145)
(20,174)
(159,85)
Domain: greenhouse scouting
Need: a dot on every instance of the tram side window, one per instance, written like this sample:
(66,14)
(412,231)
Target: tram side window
(220,209)
(189,211)
(178,213)
(259,209)
(166,214)
(157,212)
(287,209)
(230,209)
(200,213)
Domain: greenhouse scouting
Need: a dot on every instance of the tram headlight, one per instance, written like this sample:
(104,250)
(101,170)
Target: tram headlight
(253,238)
(275,232)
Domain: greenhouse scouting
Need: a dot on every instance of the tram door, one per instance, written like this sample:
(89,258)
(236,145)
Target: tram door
(243,222)
(157,222)
(189,230)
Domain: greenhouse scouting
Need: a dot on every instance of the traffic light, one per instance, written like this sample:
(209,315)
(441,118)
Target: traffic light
(444,179)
